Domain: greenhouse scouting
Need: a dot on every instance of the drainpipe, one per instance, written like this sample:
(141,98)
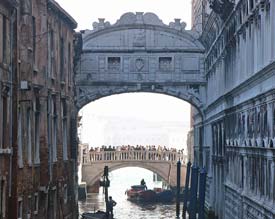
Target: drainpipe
(11,68)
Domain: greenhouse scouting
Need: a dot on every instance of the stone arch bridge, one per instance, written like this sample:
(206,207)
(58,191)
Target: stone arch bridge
(162,163)
(139,53)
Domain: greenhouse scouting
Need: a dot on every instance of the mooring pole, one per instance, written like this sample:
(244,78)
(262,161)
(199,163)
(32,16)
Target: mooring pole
(186,190)
(203,174)
(192,210)
(178,189)
(106,185)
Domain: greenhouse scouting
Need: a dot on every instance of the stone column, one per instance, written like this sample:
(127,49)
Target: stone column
(270,122)
(272,20)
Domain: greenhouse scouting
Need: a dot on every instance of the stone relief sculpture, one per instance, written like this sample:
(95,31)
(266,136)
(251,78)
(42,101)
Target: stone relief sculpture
(140,63)
(140,39)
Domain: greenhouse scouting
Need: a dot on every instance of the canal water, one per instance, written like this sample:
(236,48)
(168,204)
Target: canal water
(121,180)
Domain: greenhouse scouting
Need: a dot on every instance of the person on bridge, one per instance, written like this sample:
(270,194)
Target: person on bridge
(110,206)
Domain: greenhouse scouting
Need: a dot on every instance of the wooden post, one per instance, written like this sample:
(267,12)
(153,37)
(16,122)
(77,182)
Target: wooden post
(178,189)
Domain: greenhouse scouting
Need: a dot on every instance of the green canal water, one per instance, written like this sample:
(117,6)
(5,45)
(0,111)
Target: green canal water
(121,180)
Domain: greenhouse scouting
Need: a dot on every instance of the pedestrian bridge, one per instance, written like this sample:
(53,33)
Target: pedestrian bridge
(163,163)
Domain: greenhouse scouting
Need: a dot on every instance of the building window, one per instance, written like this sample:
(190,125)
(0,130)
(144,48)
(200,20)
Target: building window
(29,207)
(34,37)
(49,126)
(36,203)
(69,64)
(165,64)
(51,54)
(29,137)
(20,208)
(64,129)
(65,193)
(20,144)
(114,63)
(62,74)
(37,131)
(54,128)
(52,205)
(2,198)
(4,120)
(4,39)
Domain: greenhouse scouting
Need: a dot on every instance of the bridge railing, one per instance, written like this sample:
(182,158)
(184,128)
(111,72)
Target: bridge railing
(133,155)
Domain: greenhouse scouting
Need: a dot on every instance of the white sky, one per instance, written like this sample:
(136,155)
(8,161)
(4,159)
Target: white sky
(85,12)
(148,107)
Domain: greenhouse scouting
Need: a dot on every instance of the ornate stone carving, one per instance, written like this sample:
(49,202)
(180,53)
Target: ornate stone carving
(178,25)
(140,63)
(222,7)
(139,18)
(140,39)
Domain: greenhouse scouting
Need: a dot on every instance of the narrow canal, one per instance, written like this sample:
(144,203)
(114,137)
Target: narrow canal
(121,180)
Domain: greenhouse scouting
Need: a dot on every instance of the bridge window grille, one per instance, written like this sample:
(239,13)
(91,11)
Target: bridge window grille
(114,63)
(165,64)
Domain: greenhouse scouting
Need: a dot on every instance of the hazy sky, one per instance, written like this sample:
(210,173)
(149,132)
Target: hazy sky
(145,107)
(85,12)
(148,107)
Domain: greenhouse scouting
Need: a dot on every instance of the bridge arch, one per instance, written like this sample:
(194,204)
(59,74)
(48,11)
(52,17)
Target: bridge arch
(162,174)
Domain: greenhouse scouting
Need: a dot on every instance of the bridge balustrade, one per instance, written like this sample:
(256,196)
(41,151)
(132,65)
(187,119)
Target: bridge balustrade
(133,155)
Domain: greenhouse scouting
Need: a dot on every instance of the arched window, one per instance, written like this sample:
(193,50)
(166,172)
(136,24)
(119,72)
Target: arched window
(258,122)
(271,144)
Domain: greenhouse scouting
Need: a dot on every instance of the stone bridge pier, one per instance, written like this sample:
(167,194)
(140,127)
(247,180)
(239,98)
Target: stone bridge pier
(162,163)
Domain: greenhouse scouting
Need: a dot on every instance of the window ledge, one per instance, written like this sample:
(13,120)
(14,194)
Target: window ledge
(7,151)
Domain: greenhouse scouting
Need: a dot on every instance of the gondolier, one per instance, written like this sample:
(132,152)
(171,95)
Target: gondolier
(110,205)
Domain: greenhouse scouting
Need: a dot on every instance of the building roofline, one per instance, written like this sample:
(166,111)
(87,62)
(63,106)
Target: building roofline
(64,14)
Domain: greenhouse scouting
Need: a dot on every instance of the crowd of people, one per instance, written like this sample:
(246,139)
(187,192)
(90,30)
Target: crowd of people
(134,148)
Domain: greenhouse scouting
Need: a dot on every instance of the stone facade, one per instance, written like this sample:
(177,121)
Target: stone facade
(238,127)
(8,57)
(38,164)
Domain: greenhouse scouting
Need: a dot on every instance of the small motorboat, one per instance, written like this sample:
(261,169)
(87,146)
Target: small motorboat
(165,196)
(147,196)
(133,193)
